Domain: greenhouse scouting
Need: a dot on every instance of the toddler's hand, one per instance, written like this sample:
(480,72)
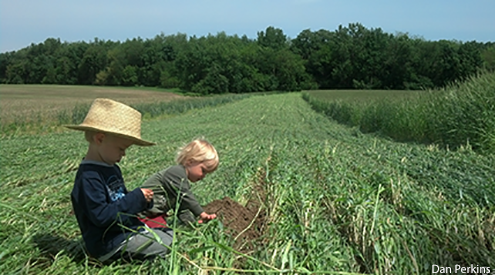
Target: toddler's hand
(204,217)
(148,194)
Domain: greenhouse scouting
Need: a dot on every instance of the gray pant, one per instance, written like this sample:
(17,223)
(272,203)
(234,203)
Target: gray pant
(144,245)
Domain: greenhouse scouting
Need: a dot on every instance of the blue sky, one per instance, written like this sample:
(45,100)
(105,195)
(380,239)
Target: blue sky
(23,22)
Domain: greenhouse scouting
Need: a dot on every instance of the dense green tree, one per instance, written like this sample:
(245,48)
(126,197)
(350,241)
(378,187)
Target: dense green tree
(487,56)
(342,58)
(93,61)
(129,76)
(5,61)
(70,56)
(315,48)
(273,38)
(17,72)
(351,57)
(470,59)
(191,63)
(397,63)
(65,71)
(50,77)
(213,83)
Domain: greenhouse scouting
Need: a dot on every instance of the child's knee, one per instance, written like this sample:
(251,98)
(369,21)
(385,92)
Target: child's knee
(166,235)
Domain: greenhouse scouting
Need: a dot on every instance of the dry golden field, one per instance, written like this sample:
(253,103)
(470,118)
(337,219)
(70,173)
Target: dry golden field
(43,102)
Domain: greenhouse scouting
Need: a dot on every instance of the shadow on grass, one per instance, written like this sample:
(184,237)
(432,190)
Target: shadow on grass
(52,246)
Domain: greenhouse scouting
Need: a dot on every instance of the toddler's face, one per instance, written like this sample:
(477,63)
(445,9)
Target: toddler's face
(113,148)
(196,171)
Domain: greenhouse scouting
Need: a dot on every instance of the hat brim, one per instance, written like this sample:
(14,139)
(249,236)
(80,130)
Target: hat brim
(135,140)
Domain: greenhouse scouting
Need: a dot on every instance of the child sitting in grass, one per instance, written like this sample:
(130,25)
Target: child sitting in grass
(105,210)
(171,186)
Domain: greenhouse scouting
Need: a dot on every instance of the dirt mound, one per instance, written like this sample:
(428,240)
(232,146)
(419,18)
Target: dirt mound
(244,224)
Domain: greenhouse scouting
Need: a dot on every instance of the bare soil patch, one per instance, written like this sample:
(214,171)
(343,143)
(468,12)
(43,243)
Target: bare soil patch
(28,102)
(246,224)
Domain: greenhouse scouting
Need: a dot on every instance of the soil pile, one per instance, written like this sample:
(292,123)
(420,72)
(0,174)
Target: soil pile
(244,224)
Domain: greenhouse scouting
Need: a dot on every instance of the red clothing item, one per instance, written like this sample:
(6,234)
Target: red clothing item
(156,222)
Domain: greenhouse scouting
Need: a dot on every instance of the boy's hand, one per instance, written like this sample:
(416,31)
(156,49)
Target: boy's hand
(204,217)
(148,194)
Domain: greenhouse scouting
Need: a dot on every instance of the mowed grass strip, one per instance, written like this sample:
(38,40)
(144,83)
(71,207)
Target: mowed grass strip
(337,201)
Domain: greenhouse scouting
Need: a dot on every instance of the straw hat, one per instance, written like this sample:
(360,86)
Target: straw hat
(106,115)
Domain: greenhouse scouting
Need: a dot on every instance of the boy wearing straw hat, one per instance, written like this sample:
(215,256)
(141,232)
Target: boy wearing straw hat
(104,208)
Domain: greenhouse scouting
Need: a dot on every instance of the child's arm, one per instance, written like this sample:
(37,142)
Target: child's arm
(189,202)
(160,198)
(102,211)
(173,185)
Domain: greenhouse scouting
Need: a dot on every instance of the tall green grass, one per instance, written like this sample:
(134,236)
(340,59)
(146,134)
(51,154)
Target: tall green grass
(458,115)
(335,201)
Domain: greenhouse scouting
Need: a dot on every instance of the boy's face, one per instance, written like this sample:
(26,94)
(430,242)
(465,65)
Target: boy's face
(112,148)
(196,171)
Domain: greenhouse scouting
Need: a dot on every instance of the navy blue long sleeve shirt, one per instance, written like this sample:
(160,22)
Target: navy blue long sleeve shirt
(104,209)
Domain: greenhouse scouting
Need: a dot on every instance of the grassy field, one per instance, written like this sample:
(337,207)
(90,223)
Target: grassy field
(362,95)
(336,201)
(24,103)
(460,114)
(43,108)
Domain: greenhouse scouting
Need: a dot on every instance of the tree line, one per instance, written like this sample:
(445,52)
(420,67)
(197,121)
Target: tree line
(351,57)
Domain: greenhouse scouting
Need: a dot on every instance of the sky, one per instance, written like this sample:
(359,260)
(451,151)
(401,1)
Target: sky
(23,22)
